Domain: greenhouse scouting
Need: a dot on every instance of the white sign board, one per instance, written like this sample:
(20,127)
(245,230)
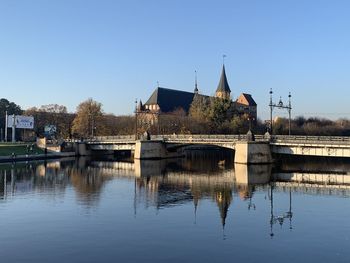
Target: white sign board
(22,122)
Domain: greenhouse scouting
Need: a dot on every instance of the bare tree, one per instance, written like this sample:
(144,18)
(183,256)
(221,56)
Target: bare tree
(88,119)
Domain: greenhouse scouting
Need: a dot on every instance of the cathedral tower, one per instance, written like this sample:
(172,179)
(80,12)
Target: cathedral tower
(223,91)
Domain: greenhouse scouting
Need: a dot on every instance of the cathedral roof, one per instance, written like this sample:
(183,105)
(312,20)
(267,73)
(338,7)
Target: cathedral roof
(223,84)
(170,100)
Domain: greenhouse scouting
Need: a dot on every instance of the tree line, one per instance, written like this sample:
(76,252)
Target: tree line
(206,116)
(88,120)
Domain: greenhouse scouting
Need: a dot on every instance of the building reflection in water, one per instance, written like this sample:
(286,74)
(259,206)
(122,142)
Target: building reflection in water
(167,183)
(162,184)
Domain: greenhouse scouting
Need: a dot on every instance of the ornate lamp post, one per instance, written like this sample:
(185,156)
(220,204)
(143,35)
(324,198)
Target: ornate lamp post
(280,105)
(250,120)
(136,119)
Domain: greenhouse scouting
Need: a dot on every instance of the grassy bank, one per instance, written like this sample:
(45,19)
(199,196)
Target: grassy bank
(6,149)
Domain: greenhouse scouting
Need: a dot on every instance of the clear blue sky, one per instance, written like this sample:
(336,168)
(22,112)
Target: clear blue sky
(115,51)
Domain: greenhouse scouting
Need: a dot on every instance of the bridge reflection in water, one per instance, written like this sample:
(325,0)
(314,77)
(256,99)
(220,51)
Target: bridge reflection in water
(168,183)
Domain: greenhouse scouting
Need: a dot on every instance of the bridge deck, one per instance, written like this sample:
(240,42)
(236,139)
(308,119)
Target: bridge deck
(281,144)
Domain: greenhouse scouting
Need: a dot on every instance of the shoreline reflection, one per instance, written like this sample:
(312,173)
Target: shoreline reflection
(174,182)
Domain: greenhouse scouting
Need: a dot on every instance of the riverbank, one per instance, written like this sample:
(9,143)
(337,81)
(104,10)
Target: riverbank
(31,157)
(19,151)
(9,149)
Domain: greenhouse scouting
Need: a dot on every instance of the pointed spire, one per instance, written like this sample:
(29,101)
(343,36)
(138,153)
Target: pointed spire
(195,82)
(223,84)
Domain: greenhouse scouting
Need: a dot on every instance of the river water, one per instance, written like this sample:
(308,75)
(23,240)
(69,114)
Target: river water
(201,208)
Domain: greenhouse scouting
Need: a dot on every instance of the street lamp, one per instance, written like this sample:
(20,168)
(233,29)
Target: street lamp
(6,122)
(280,105)
(250,119)
(136,119)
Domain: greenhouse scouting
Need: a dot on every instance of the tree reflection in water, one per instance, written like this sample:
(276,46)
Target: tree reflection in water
(168,183)
(53,177)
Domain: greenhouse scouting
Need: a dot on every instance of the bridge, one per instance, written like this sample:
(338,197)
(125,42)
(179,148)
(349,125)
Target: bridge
(127,142)
(329,146)
(248,150)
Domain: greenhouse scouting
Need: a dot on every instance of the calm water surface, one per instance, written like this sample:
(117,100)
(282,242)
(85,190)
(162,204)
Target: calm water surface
(196,209)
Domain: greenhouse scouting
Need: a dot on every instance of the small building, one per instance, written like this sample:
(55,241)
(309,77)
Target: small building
(245,104)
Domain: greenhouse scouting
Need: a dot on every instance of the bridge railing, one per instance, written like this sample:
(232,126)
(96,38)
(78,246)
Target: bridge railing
(176,137)
(197,137)
(311,139)
(225,138)
(119,138)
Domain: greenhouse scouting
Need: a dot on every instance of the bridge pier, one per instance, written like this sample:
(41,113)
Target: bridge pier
(253,152)
(154,150)
(82,149)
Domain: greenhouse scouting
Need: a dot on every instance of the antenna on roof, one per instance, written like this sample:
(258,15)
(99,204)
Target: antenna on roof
(157,84)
